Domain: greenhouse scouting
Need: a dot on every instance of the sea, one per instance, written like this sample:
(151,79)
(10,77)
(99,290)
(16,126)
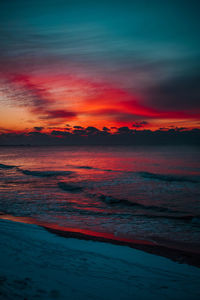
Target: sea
(149,193)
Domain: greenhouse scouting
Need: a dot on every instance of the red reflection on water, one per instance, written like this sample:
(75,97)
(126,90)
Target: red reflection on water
(78,232)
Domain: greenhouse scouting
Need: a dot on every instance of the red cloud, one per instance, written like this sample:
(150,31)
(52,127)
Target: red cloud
(59,114)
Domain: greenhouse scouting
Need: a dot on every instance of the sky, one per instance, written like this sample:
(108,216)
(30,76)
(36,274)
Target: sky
(99,63)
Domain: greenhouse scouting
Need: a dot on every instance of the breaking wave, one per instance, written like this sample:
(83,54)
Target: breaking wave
(147,211)
(169,178)
(70,187)
(187,218)
(3,166)
(46,173)
(93,168)
(113,200)
(85,167)
(158,209)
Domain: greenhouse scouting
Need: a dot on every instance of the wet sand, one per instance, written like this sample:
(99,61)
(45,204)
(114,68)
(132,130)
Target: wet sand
(174,252)
(36,264)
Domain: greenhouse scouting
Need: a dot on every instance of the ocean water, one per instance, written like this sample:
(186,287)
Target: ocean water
(149,193)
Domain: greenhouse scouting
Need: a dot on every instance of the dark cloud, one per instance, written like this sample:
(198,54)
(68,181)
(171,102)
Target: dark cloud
(93,136)
(118,115)
(179,93)
(78,127)
(38,128)
(124,130)
(106,129)
(58,114)
(92,130)
(139,124)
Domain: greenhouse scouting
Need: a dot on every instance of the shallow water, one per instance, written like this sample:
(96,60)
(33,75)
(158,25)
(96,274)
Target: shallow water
(150,193)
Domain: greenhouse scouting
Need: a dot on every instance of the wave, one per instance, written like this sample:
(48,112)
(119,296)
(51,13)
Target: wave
(3,166)
(147,211)
(70,187)
(93,168)
(85,167)
(113,200)
(187,218)
(169,178)
(173,214)
(82,167)
(147,175)
(46,173)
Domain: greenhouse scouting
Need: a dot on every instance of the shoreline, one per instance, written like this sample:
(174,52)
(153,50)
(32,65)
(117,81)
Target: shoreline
(36,264)
(175,254)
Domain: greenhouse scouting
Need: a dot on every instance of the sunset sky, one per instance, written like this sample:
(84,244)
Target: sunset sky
(99,63)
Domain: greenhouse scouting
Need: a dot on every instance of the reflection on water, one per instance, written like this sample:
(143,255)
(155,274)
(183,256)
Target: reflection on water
(147,193)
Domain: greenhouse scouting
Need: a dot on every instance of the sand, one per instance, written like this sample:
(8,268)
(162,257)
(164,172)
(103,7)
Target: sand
(37,264)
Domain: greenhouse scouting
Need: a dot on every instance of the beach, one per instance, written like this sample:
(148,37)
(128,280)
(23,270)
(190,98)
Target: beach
(37,264)
(123,224)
